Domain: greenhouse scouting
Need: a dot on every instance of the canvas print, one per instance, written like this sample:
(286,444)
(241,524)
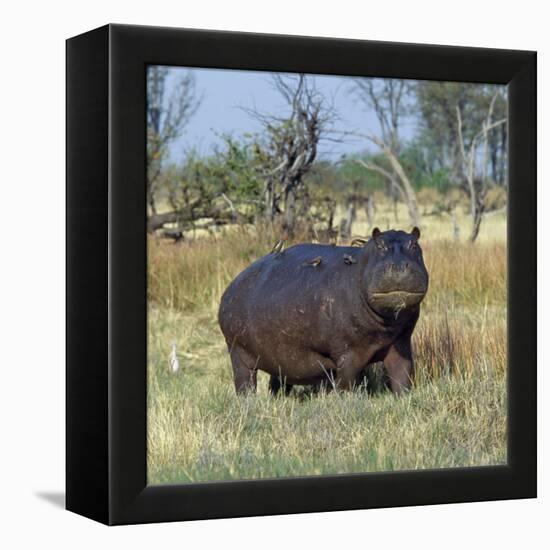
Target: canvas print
(326,274)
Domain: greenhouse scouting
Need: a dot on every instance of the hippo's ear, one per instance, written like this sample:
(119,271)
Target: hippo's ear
(415,232)
(375,233)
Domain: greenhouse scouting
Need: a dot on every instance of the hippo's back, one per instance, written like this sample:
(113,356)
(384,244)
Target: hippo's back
(276,283)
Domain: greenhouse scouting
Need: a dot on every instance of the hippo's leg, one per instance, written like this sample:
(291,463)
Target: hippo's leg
(347,378)
(348,373)
(399,366)
(276,384)
(374,378)
(245,369)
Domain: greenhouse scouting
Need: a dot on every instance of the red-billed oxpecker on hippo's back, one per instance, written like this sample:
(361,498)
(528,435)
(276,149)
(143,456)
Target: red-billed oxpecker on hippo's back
(315,312)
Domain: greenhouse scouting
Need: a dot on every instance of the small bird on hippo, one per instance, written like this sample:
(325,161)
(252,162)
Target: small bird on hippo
(314,312)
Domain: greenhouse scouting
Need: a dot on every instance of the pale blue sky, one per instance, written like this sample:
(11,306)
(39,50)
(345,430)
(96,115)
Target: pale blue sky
(224,92)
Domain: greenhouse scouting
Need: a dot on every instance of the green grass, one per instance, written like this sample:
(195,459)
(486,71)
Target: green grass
(199,430)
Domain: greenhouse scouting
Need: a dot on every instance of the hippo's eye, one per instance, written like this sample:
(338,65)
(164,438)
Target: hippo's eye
(381,245)
(413,245)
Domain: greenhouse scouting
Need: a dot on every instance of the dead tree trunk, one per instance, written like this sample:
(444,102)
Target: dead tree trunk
(290,147)
(346,228)
(330,217)
(408,197)
(369,211)
(349,218)
(408,190)
(477,216)
(269,204)
(289,220)
(476,186)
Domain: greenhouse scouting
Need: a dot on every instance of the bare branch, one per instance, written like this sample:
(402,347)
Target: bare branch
(166,118)
(476,189)
(290,143)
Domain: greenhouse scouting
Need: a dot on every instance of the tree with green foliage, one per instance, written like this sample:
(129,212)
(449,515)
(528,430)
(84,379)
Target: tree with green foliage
(438,125)
(222,188)
(463,133)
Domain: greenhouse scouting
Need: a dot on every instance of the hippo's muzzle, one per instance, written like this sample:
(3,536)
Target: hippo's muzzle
(395,301)
(396,286)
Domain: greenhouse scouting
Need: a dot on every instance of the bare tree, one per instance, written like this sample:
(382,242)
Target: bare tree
(167,116)
(387,97)
(397,177)
(475,180)
(290,144)
(436,104)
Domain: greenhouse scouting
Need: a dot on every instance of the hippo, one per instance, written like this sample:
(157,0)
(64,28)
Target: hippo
(317,313)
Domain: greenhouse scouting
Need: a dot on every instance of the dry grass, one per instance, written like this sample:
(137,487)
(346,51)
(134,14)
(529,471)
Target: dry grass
(455,416)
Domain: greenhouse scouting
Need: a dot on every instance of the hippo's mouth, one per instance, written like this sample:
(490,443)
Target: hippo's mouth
(397,294)
(393,302)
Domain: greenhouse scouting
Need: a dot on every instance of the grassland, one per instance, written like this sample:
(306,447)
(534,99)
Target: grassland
(198,430)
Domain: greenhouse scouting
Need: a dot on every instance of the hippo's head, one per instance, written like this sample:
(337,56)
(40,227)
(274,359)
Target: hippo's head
(395,277)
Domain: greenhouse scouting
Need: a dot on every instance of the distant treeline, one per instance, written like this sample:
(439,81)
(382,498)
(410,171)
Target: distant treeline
(457,149)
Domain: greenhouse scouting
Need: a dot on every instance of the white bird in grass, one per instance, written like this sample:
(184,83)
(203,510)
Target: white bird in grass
(174,363)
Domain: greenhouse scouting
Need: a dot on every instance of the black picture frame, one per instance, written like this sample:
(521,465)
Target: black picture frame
(106,274)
